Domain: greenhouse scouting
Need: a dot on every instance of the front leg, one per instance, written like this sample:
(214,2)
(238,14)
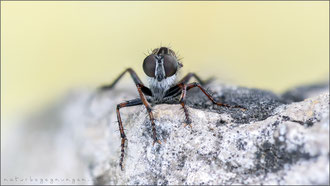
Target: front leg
(175,91)
(135,78)
(141,90)
(149,110)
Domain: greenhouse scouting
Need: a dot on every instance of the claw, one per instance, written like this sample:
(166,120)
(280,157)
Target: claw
(121,167)
(186,124)
(239,107)
(243,109)
(158,141)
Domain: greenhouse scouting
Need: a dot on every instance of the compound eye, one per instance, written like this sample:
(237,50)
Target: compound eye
(149,65)
(170,65)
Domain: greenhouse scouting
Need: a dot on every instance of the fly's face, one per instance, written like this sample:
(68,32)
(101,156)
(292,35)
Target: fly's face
(161,64)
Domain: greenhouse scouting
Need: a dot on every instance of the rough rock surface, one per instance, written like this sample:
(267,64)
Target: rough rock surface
(270,143)
(275,141)
(305,91)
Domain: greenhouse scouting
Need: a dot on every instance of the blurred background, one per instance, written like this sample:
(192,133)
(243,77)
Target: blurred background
(48,48)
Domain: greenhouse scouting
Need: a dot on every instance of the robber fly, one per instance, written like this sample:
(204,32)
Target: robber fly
(161,67)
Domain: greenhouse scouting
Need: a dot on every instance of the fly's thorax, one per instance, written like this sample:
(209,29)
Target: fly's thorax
(158,88)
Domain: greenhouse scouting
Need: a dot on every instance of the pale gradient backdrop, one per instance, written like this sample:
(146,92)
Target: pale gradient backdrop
(50,47)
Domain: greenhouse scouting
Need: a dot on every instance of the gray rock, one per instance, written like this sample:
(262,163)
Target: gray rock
(260,103)
(305,91)
(272,142)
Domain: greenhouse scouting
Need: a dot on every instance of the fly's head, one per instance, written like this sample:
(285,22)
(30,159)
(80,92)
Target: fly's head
(161,64)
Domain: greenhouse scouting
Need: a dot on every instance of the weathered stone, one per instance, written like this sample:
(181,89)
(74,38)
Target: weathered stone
(270,143)
(274,141)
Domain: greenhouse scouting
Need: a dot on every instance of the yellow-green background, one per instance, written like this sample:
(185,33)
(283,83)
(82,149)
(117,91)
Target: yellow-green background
(50,47)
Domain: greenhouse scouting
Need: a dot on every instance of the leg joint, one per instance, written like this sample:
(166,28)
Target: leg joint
(121,105)
(196,84)
(148,108)
(122,135)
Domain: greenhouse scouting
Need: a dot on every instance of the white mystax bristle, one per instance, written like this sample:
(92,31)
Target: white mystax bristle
(158,88)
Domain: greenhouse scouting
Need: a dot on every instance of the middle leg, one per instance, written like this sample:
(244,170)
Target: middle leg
(192,85)
(182,85)
(186,79)
(185,87)
(175,91)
